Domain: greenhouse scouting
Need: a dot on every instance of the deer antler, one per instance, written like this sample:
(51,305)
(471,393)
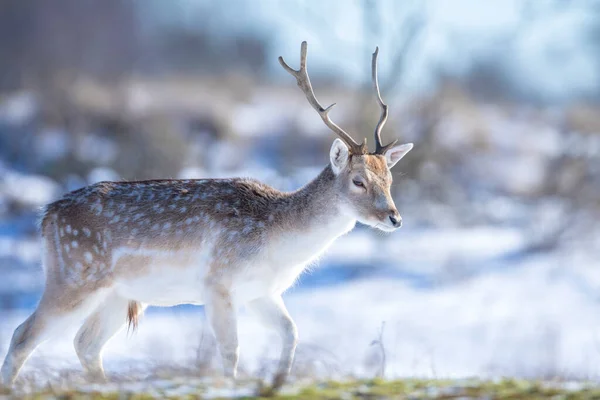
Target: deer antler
(379,148)
(304,84)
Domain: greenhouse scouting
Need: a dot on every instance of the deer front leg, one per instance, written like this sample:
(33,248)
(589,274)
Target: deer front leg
(273,314)
(221,316)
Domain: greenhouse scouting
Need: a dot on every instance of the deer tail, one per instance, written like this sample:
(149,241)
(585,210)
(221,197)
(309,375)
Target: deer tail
(134,311)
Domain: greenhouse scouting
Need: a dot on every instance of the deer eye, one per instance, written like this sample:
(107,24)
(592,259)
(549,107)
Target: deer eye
(358,183)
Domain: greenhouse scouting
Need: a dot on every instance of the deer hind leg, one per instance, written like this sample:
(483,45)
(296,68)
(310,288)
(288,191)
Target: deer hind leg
(104,323)
(221,316)
(25,339)
(59,309)
(272,313)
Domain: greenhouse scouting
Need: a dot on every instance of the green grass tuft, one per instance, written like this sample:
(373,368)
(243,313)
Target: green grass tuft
(416,389)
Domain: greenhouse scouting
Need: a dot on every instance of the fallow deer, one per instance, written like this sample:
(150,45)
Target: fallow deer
(112,248)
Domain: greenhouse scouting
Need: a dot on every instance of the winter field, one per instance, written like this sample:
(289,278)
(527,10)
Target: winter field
(473,289)
(507,316)
(490,290)
(468,293)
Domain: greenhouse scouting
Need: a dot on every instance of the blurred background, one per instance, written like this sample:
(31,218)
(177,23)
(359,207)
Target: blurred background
(495,271)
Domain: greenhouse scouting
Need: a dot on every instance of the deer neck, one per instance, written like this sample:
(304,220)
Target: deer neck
(318,209)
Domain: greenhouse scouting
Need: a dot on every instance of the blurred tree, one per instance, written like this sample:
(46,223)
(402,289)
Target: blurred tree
(42,41)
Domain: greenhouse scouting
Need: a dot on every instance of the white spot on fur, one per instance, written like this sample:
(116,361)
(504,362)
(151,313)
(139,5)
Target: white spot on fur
(68,229)
(115,219)
(75,244)
(88,257)
(97,208)
(183,209)
(188,221)
(167,225)
(87,232)
(61,261)
(75,232)
(67,248)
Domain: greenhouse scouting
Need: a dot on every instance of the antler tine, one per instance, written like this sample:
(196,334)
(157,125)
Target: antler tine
(304,84)
(379,148)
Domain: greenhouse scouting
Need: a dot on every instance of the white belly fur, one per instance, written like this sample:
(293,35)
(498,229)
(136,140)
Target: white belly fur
(165,278)
(178,278)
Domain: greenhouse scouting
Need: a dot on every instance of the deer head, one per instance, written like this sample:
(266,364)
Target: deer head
(363,179)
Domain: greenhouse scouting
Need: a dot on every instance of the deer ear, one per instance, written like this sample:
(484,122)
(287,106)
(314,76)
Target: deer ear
(393,155)
(338,156)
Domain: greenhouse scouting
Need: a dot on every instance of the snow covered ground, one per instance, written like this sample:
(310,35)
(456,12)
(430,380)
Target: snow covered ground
(454,305)
(456,301)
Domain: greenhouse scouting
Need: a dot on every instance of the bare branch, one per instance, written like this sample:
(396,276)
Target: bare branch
(379,342)
(412,28)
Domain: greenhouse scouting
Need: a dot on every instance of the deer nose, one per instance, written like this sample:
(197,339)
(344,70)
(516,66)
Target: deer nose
(396,219)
